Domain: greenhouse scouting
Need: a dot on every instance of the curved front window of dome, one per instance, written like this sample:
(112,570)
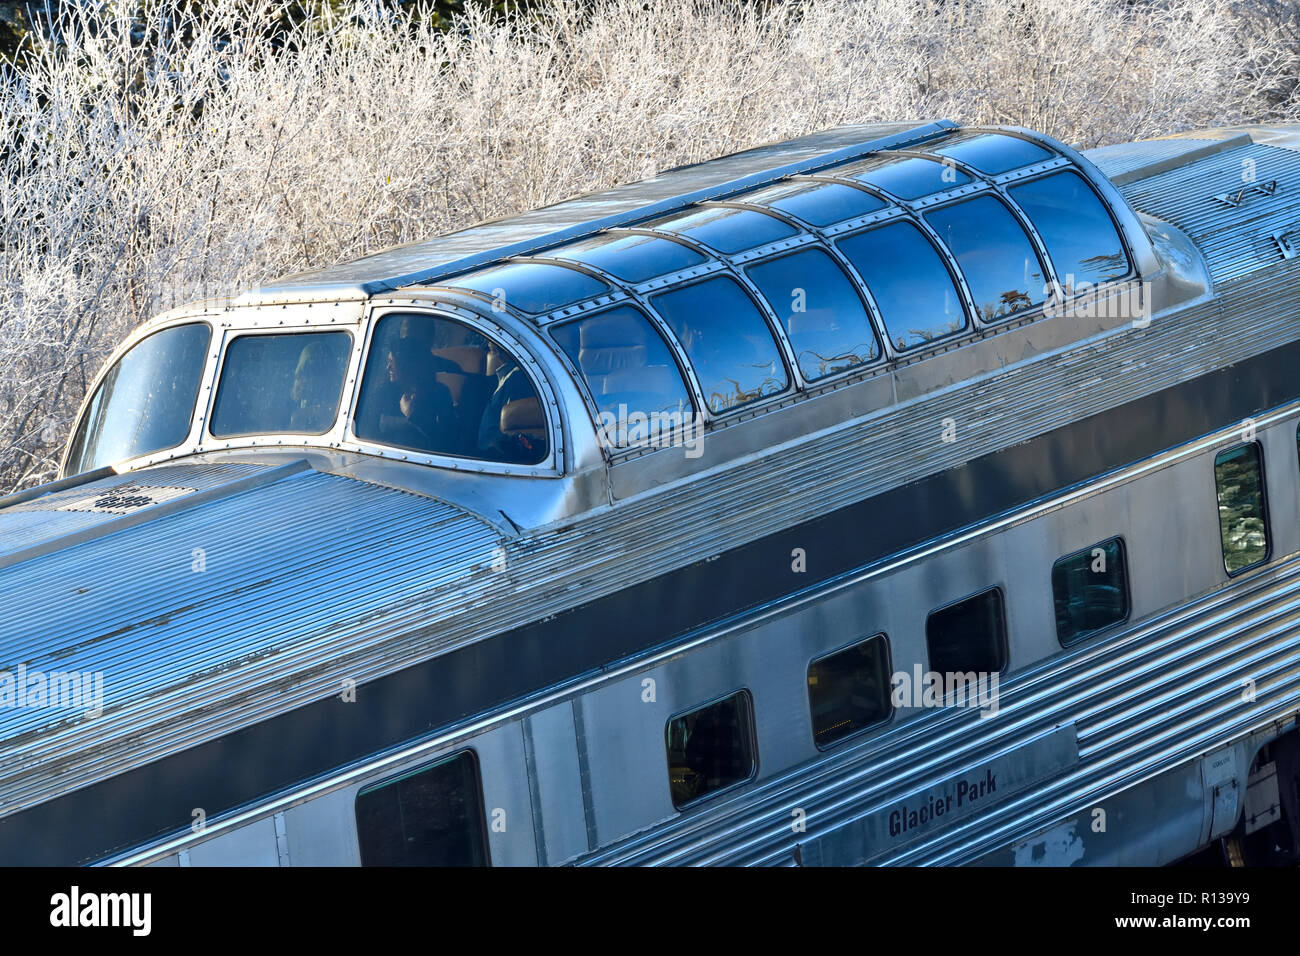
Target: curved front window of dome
(1077,230)
(146,401)
(437,386)
(281,384)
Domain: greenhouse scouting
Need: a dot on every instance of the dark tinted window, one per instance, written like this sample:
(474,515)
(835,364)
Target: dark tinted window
(1076,228)
(1090,590)
(849,690)
(146,401)
(727,230)
(968,636)
(710,749)
(1243,524)
(632,258)
(281,384)
(818,203)
(917,299)
(906,178)
(992,153)
(820,309)
(630,372)
(437,386)
(995,256)
(534,287)
(727,340)
(431,817)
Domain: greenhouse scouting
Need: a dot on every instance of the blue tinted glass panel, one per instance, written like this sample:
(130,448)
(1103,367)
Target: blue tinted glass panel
(821,204)
(281,384)
(727,230)
(145,402)
(820,309)
(632,258)
(917,299)
(533,287)
(727,340)
(630,373)
(995,255)
(993,153)
(1076,228)
(909,178)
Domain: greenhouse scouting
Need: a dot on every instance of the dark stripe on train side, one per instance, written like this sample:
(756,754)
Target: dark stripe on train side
(148,802)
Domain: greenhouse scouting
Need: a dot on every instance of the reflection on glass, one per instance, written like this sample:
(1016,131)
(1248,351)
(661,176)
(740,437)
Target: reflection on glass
(916,296)
(821,311)
(992,153)
(907,177)
(629,372)
(727,341)
(431,817)
(1090,591)
(281,384)
(632,258)
(1243,527)
(994,254)
(145,402)
(440,387)
(968,636)
(849,690)
(727,230)
(821,204)
(1078,232)
(533,287)
(710,749)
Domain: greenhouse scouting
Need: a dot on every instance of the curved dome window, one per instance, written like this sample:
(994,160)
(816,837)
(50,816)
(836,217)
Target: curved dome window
(994,254)
(632,258)
(630,373)
(146,401)
(533,287)
(437,386)
(820,309)
(1077,230)
(908,177)
(725,229)
(915,293)
(992,153)
(282,384)
(819,204)
(727,340)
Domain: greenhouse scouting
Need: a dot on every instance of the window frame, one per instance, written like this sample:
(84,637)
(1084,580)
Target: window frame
(552,465)
(1128,590)
(432,764)
(1265,511)
(890,710)
(751,728)
(1005,635)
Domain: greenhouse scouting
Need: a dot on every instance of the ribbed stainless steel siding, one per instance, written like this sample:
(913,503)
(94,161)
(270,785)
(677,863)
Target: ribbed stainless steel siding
(1122,158)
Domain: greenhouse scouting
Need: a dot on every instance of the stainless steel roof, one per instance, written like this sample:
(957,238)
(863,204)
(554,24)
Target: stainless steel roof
(582,215)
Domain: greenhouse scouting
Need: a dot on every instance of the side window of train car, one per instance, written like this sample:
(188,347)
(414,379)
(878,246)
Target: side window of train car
(821,311)
(146,401)
(917,298)
(968,635)
(995,255)
(710,748)
(286,384)
(432,816)
(438,386)
(630,374)
(727,340)
(1243,518)
(1090,591)
(1079,233)
(848,690)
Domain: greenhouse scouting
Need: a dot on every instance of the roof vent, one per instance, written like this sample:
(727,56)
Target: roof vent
(1288,241)
(125,499)
(1255,189)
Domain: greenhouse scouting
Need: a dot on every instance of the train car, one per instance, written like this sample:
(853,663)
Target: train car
(900,494)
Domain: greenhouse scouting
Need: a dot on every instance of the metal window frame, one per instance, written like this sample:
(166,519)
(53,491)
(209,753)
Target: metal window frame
(1263,506)
(1128,589)
(751,728)
(891,712)
(1004,632)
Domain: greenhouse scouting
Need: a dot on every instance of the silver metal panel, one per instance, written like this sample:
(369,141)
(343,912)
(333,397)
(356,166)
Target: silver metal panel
(507,805)
(1124,163)
(556,778)
(323,831)
(252,845)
